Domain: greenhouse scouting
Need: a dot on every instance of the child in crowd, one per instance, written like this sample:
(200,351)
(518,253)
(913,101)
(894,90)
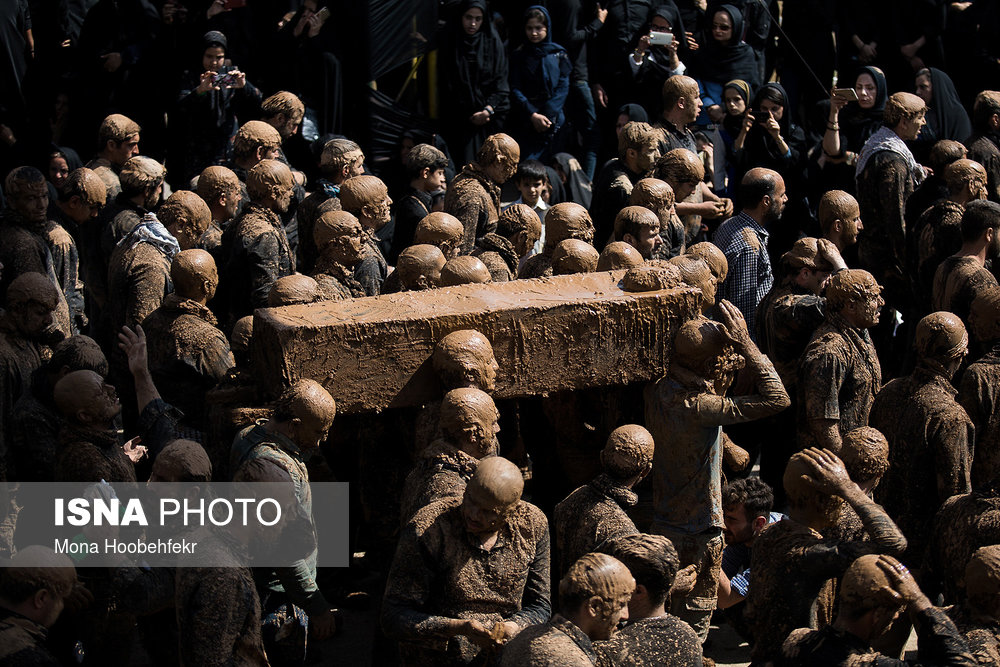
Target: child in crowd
(539,81)
(532,181)
(425,165)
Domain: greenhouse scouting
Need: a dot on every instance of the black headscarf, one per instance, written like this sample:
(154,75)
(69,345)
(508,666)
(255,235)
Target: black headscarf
(472,62)
(858,124)
(946,116)
(719,63)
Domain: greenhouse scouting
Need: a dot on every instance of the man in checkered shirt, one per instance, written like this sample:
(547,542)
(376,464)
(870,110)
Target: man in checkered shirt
(743,239)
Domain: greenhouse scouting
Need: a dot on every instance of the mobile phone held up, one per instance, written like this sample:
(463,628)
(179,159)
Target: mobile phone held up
(660,38)
(848,94)
(323,14)
(225,79)
(235,4)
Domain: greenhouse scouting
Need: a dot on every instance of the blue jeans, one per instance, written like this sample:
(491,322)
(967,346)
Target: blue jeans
(580,111)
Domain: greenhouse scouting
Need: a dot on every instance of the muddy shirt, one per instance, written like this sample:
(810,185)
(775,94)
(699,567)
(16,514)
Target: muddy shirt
(188,354)
(674,238)
(957,283)
(66,265)
(686,417)
(883,188)
(590,516)
(938,642)
(257,254)
(666,641)
(218,612)
(786,320)
(979,394)
(440,572)
(930,452)
(442,471)
(612,190)
(794,569)
(499,256)
(90,455)
(838,377)
(19,358)
(475,200)
(24,249)
(34,434)
(558,643)
(537,266)
(138,281)
(963,524)
(936,236)
(984,151)
(982,634)
(22,642)
(336,282)
(372,270)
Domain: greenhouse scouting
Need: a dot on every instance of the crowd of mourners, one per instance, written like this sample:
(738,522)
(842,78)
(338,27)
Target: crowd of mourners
(819,467)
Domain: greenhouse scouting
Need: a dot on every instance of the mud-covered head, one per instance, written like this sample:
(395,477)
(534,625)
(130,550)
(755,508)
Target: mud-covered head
(241,338)
(654,194)
(143,176)
(270,184)
(419,267)
(640,227)
(285,111)
(182,461)
(465,359)
(651,559)
(194,275)
(638,146)
(28,193)
(219,185)
(807,264)
(76,353)
(368,198)
(186,216)
(339,237)
(681,169)
(840,217)
(88,187)
(491,495)
(463,270)
(499,157)
(986,111)
(341,159)
(309,409)
(574,256)
(112,186)
(802,494)
(984,315)
(966,176)
(83,397)
(982,581)
(469,420)
(118,139)
(256,141)
(696,272)
(628,453)
(31,300)
(443,230)
(519,224)
(293,290)
(856,295)
(905,114)
(597,588)
(712,255)
(36,582)
(619,255)
(567,220)
(866,586)
(865,453)
(704,347)
(941,340)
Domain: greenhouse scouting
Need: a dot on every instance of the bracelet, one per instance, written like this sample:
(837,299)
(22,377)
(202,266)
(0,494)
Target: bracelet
(832,126)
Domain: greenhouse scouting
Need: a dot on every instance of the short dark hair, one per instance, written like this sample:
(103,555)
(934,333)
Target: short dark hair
(987,104)
(424,156)
(755,186)
(652,560)
(753,493)
(979,216)
(531,170)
